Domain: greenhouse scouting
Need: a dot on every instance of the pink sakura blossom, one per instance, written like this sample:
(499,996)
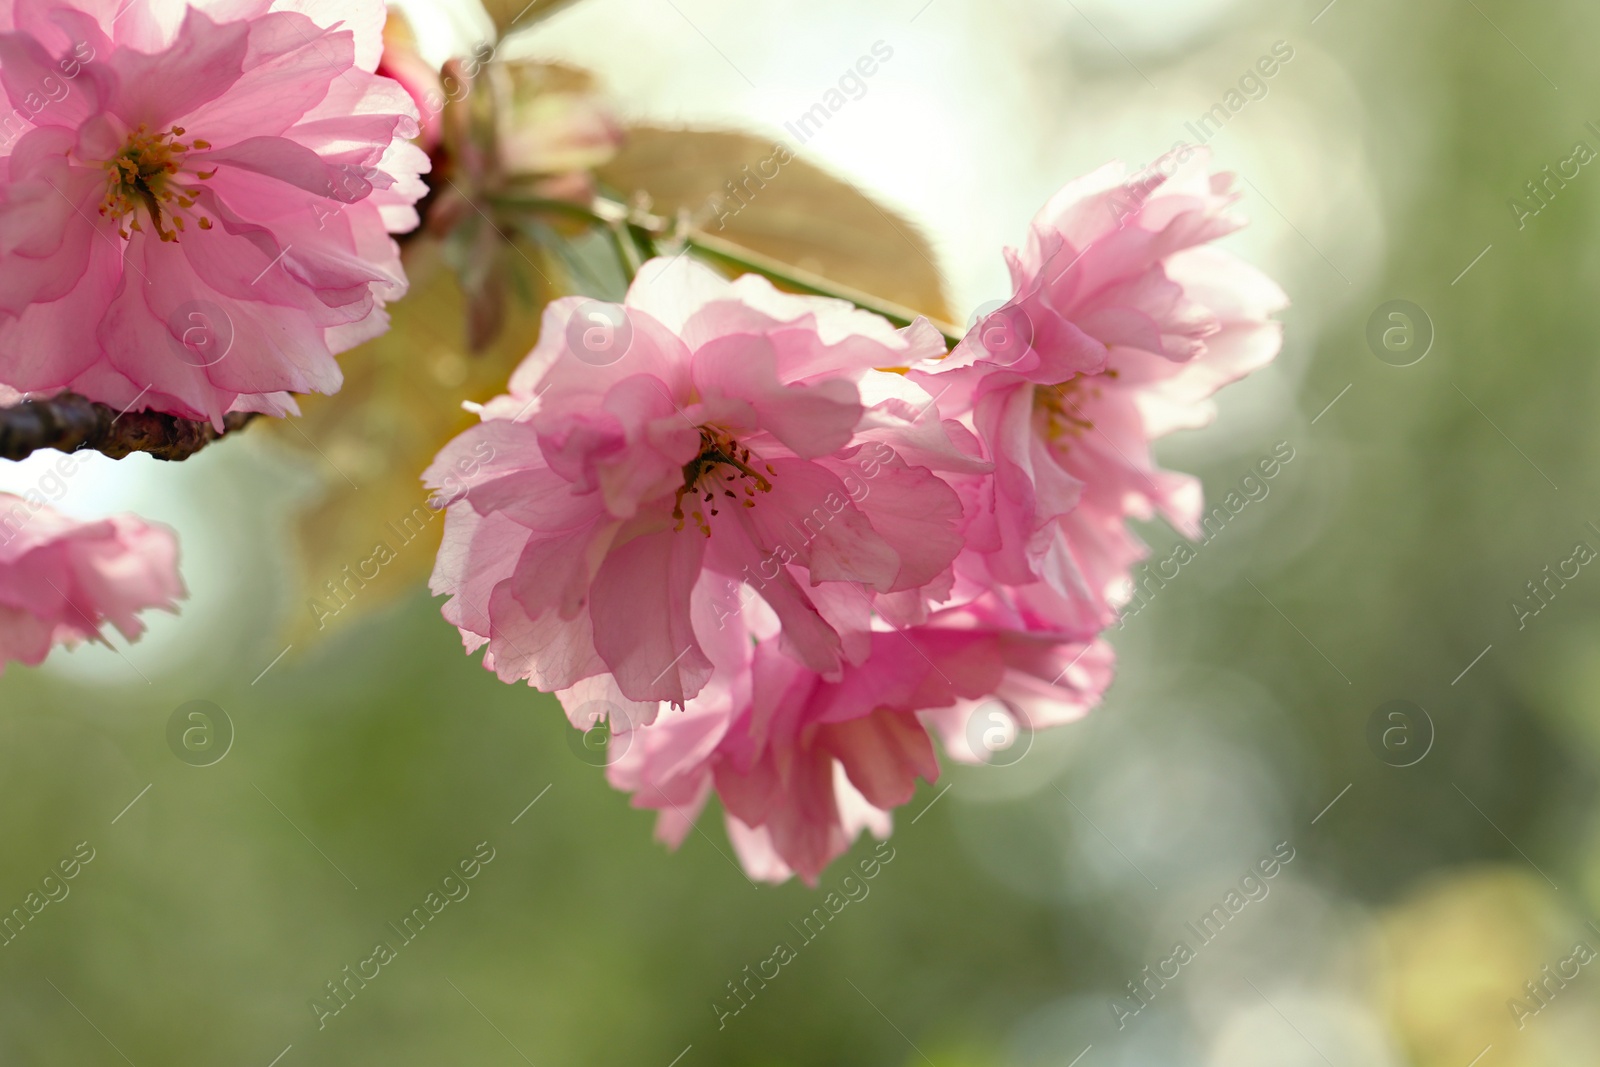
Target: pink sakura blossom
(1124,321)
(1123,324)
(671,519)
(705,433)
(62,580)
(196,198)
(802,763)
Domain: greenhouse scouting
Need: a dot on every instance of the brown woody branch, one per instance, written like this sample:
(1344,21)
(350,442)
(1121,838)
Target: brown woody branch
(71,423)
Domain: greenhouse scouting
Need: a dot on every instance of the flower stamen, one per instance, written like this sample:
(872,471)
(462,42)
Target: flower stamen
(718,450)
(1058,408)
(144,175)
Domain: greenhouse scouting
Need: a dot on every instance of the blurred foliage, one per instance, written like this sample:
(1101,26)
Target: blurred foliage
(1454,943)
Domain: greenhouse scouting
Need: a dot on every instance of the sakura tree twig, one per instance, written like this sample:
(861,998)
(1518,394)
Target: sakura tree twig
(71,423)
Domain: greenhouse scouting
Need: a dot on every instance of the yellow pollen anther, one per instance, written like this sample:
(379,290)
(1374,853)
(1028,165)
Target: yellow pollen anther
(1058,409)
(146,174)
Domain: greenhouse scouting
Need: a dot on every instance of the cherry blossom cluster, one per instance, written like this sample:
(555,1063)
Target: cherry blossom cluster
(61,580)
(781,546)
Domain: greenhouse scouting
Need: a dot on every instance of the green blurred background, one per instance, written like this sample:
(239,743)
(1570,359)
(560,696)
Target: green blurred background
(369,759)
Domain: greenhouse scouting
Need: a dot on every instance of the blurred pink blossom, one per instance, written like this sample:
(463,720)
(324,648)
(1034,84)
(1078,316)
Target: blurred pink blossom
(551,121)
(61,580)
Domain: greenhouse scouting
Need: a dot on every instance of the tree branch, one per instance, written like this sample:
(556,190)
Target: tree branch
(71,423)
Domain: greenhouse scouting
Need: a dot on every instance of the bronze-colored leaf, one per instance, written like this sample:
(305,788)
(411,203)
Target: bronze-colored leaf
(370,537)
(756,193)
(513,15)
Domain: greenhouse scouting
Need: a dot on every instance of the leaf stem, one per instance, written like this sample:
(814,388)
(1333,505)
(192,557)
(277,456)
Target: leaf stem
(725,251)
(615,216)
(627,248)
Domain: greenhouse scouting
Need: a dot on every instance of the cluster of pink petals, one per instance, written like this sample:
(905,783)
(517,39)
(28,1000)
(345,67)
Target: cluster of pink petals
(892,553)
(1124,321)
(803,762)
(196,199)
(61,580)
(742,436)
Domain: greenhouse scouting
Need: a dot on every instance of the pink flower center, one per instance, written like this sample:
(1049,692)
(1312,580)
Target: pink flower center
(721,463)
(145,174)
